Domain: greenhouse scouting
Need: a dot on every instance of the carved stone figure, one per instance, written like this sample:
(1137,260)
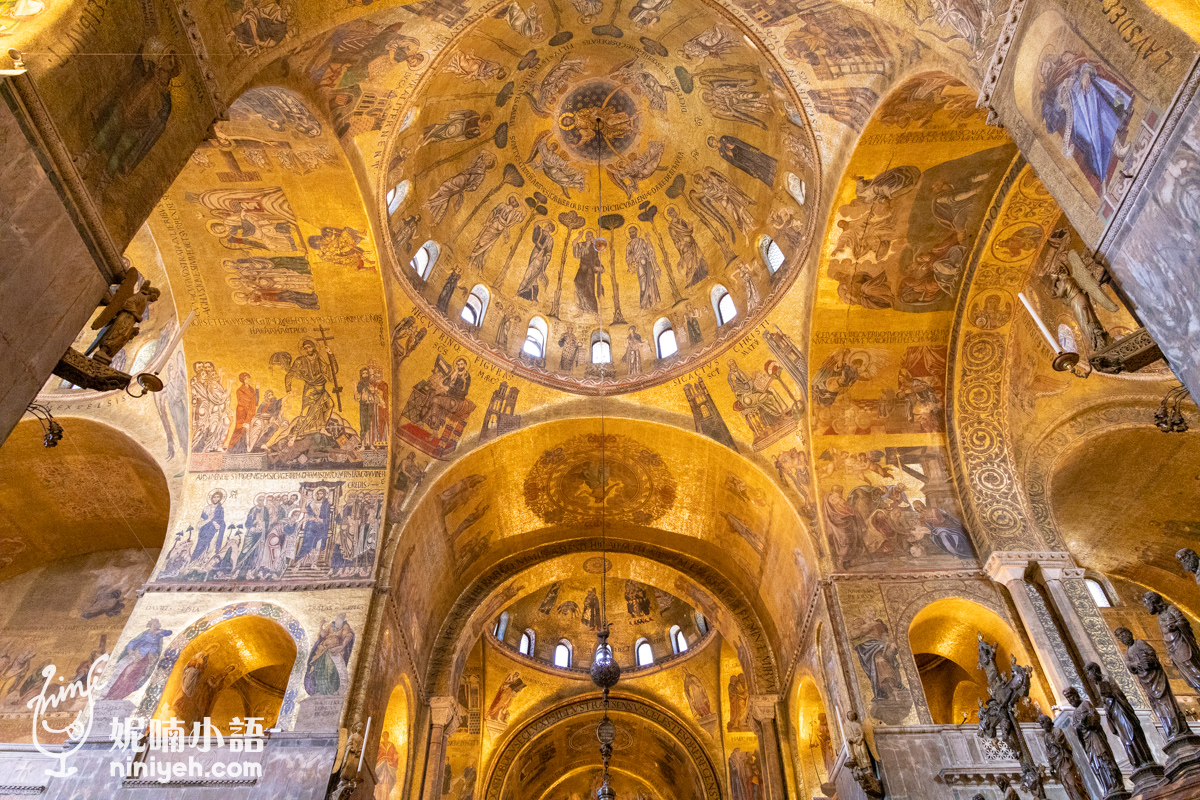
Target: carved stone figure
(1142,661)
(1062,761)
(1076,287)
(1180,638)
(1086,723)
(347,775)
(1190,561)
(123,325)
(1122,720)
(863,767)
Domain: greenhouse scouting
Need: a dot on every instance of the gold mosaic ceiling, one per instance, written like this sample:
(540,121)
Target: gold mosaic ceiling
(668,127)
(569,609)
(97,490)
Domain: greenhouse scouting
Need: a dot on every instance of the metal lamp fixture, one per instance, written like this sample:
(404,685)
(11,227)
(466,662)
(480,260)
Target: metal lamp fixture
(605,671)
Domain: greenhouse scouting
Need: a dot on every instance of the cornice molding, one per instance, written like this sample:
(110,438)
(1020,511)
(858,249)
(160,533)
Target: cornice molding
(991,76)
(250,586)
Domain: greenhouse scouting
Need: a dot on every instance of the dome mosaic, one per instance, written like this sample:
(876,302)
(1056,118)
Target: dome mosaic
(600,203)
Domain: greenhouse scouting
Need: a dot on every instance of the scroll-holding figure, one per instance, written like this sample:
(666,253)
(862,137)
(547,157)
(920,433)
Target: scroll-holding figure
(1085,721)
(1123,721)
(1143,663)
(1179,637)
(1062,760)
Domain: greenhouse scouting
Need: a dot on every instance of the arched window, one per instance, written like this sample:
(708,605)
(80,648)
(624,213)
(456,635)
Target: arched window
(501,626)
(525,648)
(601,348)
(148,351)
(723,305)
(644,653)
(1096,590)
(476,306)
(422,263)
(678,640)
(535,338)
(562,654)
(772,256)
(701,623)
(396,195)
(664,339)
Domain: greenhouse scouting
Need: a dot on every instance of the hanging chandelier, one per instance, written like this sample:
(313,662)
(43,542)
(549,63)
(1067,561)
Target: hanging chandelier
(605,671)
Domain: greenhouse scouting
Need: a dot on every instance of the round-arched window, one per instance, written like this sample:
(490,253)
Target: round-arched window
(644,653)
(422,263)
(476,306)
(723,305)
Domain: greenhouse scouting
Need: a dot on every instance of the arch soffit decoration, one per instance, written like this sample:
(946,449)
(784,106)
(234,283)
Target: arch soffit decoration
(858,316)
(483,598)
(978,388)
(910,599)
(509,750)
(1005,490)
(166,664)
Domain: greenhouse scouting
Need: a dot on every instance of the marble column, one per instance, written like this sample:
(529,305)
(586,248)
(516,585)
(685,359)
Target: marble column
(445,714)
(763,711)
(1085,626)
(1008,569)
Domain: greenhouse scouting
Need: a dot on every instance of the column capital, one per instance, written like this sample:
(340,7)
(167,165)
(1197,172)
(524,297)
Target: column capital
(762,706)
(445,712)
(1006,566)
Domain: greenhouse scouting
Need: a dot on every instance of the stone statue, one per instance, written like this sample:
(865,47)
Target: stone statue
(1142,661)
(345,779)
(1086,723)
(863,767)
(998,716)
(123,325)
(1123,721)
(1062,760)
(1190,562)
(1073,283)
(1177,633)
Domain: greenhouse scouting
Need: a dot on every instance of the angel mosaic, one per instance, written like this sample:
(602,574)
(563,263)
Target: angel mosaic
(450,194)
(547,156)
(647,12)
(341,247)
(526,23)
(634,72)
(546,91)
(628,173)
(729,94)
(460,125)
(473,69)
(715,42)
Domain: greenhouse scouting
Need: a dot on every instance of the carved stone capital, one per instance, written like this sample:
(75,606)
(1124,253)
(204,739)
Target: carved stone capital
(1006,566)
(762,706)
(446,713)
